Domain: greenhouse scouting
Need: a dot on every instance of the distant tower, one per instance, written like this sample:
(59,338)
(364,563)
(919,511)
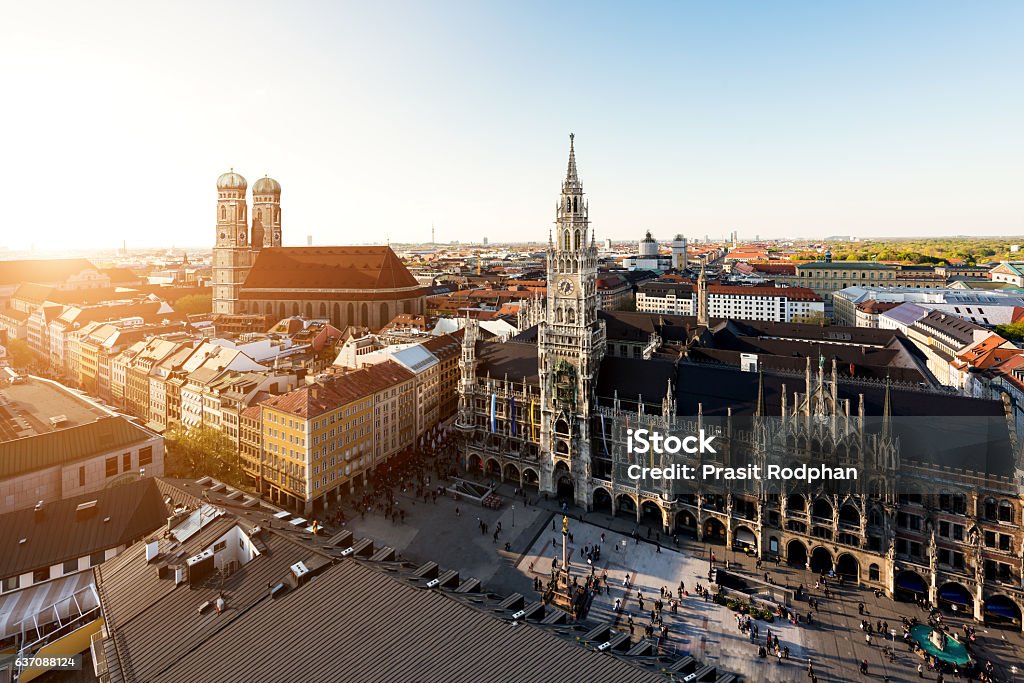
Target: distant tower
(703,319)
(679,257)
(266,207)
(648,246)
(231,255)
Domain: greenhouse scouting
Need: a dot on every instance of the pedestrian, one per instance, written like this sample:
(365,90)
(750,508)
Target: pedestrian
(457,514)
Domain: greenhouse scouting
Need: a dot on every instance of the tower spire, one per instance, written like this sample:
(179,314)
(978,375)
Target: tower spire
(572,179)
(887,410)
(703,314)
(760,411)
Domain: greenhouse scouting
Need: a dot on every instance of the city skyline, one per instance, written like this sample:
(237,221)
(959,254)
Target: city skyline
(799,122)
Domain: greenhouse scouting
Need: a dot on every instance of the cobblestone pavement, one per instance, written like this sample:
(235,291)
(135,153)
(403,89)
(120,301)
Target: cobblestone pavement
(834,643)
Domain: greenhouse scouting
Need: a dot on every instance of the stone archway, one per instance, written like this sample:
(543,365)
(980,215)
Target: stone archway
(714,531)
(626,505)
(822,509)
(848,567)
(910,586)
(686,523)
(602,501)
(956,598)
(511,473)
(565,490)
(1002,611)
(531,479)
(743,539)
(651,514)
(796,553)
(493,468)
(849,516)
(821,560)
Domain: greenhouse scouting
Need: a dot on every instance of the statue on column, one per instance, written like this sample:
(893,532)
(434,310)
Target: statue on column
(933,552)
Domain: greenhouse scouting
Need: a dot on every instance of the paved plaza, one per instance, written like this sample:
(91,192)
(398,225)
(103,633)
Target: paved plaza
(834,643)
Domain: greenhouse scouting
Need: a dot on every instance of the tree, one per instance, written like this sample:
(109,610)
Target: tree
(20,353)
(201,451)
(811,318)
(194,304)
(1012,331)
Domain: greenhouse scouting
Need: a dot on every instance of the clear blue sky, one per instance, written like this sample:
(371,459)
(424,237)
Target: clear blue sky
(378,119)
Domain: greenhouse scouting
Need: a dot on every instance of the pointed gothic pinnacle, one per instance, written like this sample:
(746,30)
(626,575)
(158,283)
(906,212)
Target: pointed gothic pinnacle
(571,177)
(760,411)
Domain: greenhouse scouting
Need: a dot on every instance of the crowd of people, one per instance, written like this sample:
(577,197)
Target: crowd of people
(423,477)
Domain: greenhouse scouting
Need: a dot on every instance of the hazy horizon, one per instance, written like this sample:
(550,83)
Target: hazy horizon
(804,121)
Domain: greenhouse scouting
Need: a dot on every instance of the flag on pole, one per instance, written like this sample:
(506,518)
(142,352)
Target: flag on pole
(604,436)
(512,414)
(494,412)
(533,422)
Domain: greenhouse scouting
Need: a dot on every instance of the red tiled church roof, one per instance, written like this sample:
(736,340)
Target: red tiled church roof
(368,268)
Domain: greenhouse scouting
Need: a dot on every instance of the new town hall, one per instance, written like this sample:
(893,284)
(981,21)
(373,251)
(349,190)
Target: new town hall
(935,514)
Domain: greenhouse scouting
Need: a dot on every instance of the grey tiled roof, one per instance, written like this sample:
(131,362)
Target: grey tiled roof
(355,623)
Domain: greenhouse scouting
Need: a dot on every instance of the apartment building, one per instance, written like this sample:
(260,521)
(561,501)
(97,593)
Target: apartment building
(772,304)
(321,439)
(446,348)
(1010,272)
(55,443)
(207,363)
(942,337)
(827,277)
(981,307)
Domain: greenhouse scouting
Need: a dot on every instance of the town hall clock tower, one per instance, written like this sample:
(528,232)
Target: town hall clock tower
(571,344)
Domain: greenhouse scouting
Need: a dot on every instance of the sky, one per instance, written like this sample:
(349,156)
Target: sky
(380,119)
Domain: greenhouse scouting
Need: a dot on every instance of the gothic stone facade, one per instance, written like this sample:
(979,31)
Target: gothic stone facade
(549,410)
